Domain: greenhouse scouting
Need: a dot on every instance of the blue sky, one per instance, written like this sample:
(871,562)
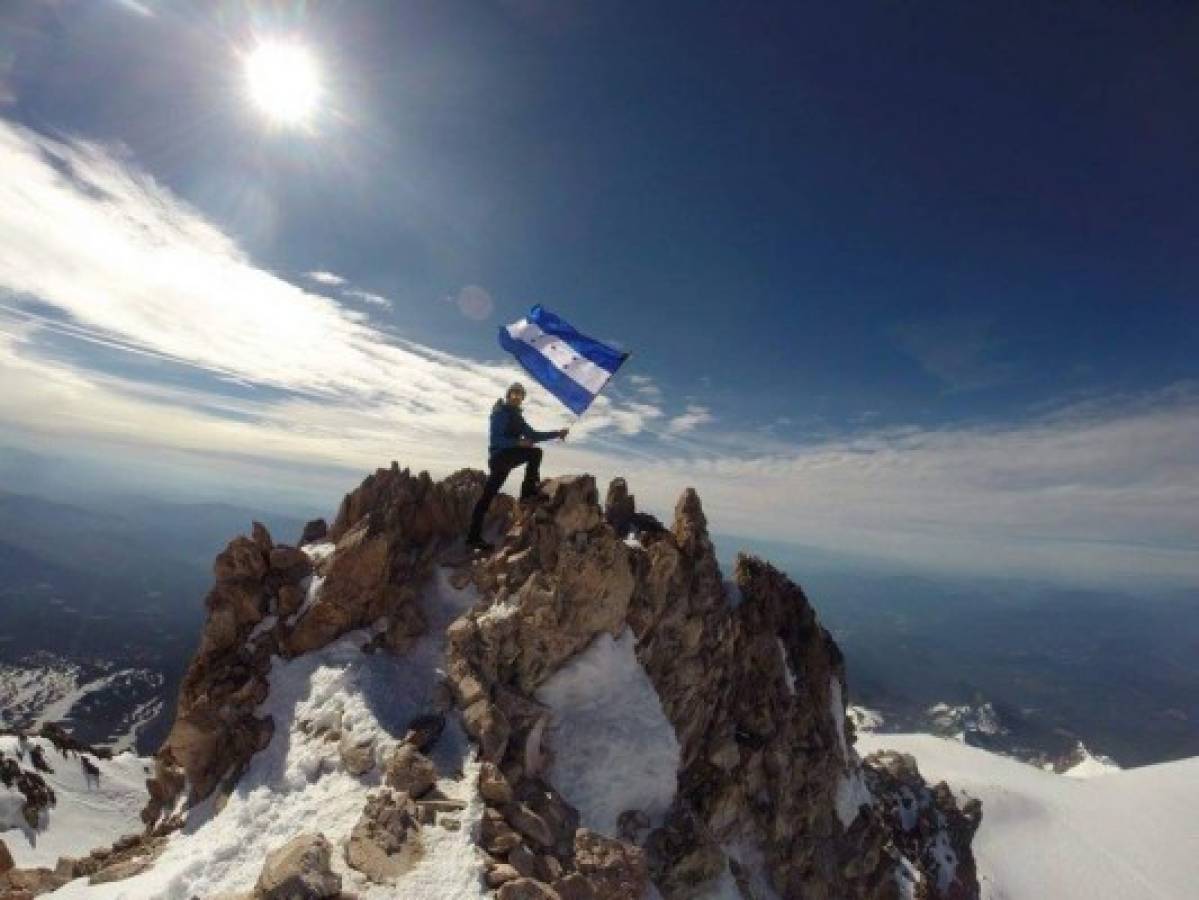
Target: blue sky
(908,280)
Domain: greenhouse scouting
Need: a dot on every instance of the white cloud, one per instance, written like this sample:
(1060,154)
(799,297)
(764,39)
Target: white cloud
(691,419)
(368,297)
(1098,492)
(115,260)
(645,386)
(322,277)
(134,6)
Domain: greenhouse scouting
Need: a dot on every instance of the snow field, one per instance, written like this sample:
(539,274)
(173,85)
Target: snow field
(1126,835)
(298,783)
(86,815)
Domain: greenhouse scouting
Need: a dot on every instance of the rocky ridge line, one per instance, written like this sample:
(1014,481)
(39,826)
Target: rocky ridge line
(753,686)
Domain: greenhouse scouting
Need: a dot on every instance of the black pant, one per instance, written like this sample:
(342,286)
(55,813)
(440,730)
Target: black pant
(500,465)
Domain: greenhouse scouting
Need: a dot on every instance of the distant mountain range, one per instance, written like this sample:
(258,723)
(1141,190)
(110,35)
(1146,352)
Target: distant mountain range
(101,604)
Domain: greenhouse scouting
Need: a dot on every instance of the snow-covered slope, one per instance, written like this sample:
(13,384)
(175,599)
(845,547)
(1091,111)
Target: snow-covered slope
(299,782)
(87,814)
(1124,835)
(113,704)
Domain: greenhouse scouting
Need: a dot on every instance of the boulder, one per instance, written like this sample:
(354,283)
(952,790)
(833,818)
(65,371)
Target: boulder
(299,870)
(385,843)
(6,862)
(357,755)
(493,786)
(410,771)
(500,874)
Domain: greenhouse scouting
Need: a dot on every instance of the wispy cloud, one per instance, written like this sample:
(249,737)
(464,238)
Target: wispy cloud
(368,297)
(95,253)
(961,352)
(646,387)
(142,9)
(115,259)
(328,278)
(689,420)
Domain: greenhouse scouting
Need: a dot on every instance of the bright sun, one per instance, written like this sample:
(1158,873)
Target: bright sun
(284,81)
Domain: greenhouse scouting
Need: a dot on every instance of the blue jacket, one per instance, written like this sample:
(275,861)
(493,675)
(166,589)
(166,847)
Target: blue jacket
(508,426)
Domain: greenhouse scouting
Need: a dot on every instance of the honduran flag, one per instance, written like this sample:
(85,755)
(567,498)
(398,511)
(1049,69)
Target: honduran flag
(571,366)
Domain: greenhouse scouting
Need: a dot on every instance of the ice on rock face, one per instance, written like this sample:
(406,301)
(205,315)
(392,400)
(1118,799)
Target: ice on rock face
(852,792)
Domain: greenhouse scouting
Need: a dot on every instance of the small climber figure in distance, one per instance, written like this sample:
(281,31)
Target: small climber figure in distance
(511,445)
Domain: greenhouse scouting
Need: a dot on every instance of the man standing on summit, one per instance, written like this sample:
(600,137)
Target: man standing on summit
(511,445)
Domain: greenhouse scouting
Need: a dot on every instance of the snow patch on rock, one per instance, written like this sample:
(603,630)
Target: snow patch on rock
(614,749)
(787,673)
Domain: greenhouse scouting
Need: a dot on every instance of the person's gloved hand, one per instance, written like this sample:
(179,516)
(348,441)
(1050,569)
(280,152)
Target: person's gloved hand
(563,433)
(525,442)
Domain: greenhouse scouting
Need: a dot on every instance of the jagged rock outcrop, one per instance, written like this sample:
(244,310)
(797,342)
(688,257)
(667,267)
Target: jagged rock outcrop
(386,843)
(384,543)
(768,788)
(926,823)
(38,796)
(752,684)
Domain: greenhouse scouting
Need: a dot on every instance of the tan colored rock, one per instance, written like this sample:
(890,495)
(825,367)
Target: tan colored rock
(358,756)
(121,870)
(616,869)
(496,836)
(576,887)
(242,558)
(299,870)
(487,725)
(493,786)
(385,843)
(500,874)
(528,823)
(410,771)
(20,883)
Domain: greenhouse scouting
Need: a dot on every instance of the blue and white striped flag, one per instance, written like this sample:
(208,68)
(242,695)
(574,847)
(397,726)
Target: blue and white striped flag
(571,366)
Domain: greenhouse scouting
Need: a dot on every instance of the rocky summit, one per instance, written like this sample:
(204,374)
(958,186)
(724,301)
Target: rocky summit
(746,784)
